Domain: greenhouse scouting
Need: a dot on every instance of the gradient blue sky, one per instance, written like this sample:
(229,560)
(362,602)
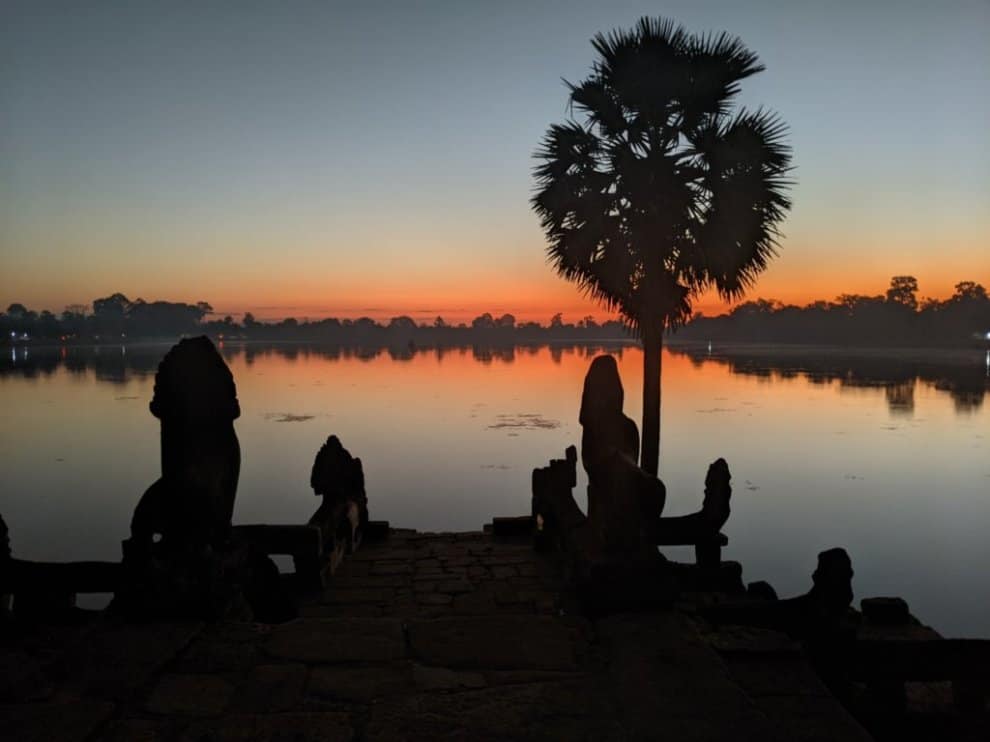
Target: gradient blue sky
(305,158)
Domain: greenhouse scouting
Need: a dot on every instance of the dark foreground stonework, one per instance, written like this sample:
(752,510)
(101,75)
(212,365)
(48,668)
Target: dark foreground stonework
(419,637)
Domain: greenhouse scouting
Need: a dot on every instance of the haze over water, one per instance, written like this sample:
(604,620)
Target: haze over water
(888,457)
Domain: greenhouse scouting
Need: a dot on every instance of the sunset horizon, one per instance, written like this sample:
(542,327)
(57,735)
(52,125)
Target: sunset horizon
(531,370)
(163,156)
(557,297)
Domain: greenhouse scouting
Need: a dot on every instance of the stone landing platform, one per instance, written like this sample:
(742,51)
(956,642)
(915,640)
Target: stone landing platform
(419,637)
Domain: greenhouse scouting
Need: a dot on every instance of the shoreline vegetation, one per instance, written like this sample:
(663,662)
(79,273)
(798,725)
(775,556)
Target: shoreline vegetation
(894,319)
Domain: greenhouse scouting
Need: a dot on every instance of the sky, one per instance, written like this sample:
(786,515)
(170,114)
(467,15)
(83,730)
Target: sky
(310,159)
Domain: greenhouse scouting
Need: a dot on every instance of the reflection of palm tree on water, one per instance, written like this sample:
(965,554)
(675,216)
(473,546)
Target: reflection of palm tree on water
(661,191)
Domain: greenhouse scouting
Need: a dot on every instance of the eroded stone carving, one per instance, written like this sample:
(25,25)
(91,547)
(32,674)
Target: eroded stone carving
(196,401)
(624,502)
(5,564)
(822,613)
(180,560)
(338,478)
(701,526)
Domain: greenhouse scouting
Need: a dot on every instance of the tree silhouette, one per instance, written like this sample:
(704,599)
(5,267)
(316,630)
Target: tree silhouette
(660,191)
(110,314)
(483,322)
(969,291)
(904,291)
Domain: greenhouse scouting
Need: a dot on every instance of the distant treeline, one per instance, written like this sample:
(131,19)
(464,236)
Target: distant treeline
(896,317)
(115,318)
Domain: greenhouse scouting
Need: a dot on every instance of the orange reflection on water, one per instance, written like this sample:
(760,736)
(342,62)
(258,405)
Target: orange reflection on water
(463,371)
(876,454)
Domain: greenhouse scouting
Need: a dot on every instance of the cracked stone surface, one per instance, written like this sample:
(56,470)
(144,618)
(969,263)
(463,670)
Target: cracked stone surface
(419,637)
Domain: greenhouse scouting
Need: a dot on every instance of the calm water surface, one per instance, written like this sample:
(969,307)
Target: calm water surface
(884,454)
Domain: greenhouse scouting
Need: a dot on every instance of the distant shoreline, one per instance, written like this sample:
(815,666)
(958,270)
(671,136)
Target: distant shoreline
(720,347)
(895,319)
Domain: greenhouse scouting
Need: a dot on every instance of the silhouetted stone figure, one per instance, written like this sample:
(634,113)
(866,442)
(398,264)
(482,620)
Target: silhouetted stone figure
(555,513)
(196,401)
(608,556)
(825,606)
(702,527)
(714,507)
(33,592)
(5,561)
(4,541)
(180,560)
(339,478)
(605,428)
(625,573)
(820,614)
(624,502)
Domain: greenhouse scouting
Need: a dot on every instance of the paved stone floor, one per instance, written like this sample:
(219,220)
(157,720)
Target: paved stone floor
(420,637)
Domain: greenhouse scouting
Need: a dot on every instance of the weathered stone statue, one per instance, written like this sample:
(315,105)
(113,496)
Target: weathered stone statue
(606,430)
(338,477)
(32,592)
(624,502)
(824,607)
(556,515)
(4,570)
(705,523)
(179,559)
(196,401)
(819,615)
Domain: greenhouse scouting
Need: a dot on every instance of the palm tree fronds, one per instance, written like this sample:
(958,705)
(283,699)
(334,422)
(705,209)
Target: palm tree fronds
(660,191)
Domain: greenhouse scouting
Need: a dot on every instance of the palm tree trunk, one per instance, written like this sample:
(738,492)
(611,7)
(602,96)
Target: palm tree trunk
(652,347)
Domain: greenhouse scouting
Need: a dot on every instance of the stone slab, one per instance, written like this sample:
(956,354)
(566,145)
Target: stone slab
(227,647)
(189,695)
(496,642)
(812,719)
(72,721)
(668,679)
(328,640)
(428,678)
(289,727)
(359,595)
(117,659)
(776,676)
(21,677)
(573,710)
(749,640)
(362,684)
(137,730)
(271,688)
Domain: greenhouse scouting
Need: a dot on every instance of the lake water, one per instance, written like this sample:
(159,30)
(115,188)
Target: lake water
(885,454)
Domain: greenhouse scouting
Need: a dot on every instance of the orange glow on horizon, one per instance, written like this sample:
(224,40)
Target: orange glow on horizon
(530,306)
(460,291)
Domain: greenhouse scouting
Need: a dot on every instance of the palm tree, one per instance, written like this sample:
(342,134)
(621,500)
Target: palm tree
(660,190)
